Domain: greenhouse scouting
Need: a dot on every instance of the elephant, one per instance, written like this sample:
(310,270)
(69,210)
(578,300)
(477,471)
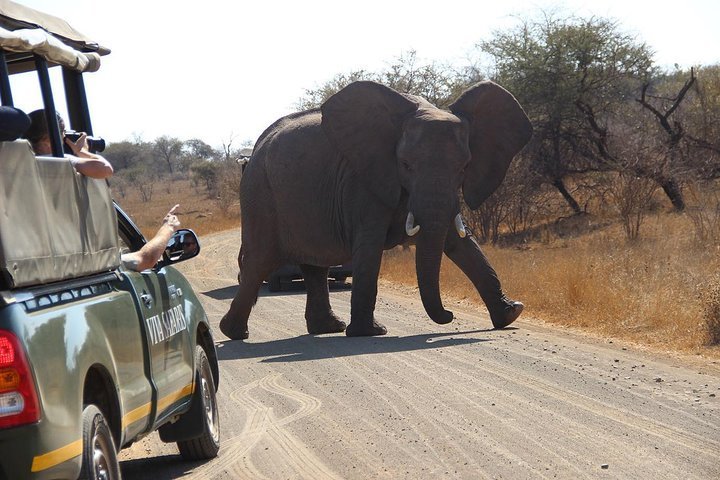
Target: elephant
(369,170)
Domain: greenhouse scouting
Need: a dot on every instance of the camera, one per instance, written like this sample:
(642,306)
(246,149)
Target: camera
(94,144)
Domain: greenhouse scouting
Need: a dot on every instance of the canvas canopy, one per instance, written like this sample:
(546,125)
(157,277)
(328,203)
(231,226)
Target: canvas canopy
(25,31)
(55,224)
(41,43)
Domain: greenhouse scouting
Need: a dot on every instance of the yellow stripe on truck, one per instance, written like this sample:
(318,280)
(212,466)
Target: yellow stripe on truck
(144,410)
(168,400)
(62,454)
(55,457)
(136,414)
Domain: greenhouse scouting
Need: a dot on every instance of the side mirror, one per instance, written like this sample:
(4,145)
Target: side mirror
(183,244)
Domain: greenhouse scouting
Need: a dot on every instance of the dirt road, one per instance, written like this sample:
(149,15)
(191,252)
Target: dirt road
(429,401)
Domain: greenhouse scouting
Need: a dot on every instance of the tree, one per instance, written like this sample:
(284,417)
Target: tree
(437,83)
(199,149)
(572,76)
(206,171)
(227,153)
(128,154)
(194,151)
(700,116)
(169,150)
(313,98)
(670,158)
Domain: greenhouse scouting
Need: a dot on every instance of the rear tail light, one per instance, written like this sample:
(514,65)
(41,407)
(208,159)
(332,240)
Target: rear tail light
(18,398)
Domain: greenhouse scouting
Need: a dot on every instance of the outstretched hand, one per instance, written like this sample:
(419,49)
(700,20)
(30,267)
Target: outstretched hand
(171,220)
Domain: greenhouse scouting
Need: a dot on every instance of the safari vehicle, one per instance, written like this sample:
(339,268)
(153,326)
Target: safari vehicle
(92,356)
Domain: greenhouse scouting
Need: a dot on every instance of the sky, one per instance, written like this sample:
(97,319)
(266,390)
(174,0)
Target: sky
(222,71)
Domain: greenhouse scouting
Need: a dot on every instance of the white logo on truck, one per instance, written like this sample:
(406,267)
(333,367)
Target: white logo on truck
(168,323)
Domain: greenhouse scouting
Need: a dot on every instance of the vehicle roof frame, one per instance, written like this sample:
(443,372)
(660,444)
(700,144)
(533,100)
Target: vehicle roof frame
(75,98)
(25,56)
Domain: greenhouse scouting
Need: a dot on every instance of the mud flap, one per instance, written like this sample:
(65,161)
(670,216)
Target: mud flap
(191,424)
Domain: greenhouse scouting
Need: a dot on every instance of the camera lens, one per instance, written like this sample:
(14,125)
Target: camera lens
(95,145)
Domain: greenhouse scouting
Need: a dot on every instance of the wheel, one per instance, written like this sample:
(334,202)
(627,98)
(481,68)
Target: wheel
(99,455)
(206,445)
(274,284)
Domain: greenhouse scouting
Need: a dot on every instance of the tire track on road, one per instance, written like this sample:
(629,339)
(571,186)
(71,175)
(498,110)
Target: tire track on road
(262,424)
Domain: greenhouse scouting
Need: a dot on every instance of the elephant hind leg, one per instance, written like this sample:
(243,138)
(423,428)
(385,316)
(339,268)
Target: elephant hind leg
(234,324)
(319,316)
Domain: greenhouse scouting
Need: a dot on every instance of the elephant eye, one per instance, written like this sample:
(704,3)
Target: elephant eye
(406,165)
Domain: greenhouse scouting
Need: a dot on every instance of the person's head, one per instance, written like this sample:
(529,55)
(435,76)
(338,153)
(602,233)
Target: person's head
(38,134)
(189,244)
(13,123)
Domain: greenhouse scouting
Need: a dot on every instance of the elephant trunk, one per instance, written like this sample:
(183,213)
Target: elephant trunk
(429,251)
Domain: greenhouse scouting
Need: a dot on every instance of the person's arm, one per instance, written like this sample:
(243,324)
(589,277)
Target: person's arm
(152,251)
(89,164)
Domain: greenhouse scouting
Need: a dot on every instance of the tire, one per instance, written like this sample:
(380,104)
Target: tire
(205,446)
(99,455)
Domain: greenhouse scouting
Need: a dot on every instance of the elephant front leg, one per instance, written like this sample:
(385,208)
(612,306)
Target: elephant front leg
(366,268)
(467,255)
(318,314)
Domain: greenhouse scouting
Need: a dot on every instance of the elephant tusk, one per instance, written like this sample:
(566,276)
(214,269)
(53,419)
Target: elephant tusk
(410,228)
(460,226)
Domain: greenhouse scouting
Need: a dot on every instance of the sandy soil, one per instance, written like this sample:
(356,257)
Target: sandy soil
(429,401)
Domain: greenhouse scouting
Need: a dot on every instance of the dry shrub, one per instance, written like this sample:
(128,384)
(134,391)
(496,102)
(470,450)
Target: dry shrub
(140,177)
(228,188)
(119,185)
(197,211)
(710,298)
(705,215)
(632,195)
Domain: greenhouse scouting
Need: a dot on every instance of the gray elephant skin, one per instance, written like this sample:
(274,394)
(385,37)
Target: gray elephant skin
(369,170)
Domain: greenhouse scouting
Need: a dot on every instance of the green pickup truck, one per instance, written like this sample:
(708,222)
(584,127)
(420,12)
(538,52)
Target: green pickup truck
(92,356)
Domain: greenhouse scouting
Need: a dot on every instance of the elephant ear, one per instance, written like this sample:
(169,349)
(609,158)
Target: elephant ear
(364,122)
(499,129)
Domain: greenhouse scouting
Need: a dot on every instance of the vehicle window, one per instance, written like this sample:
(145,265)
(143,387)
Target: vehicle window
(124,244)
(128,240)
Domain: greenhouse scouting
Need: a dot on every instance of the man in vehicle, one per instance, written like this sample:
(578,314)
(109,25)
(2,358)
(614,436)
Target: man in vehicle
(151,252)
(96,166)
(85,162)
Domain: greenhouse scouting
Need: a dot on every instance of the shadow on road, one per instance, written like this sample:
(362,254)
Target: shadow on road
(293,288)
(311,347)
(161,467)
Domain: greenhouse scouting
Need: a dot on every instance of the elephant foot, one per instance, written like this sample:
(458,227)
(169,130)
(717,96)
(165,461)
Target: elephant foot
(357,329)
(233,329)
(443,318)
(326,324)
(507,314)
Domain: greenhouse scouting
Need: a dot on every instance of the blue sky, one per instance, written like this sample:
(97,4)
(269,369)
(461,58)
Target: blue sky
(221,70)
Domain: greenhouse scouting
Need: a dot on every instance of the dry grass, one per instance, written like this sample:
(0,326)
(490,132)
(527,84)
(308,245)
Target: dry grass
(662,292)
(197,211)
